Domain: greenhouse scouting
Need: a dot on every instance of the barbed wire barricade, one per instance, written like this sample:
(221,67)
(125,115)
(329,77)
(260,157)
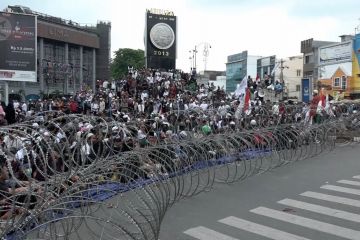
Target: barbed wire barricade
(87,177)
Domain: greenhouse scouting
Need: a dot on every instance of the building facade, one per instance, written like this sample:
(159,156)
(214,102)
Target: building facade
(265,66)
(204,77)
(335,64)
(70,57)
(292,71)
(220,82)
(310,50)
(238,67)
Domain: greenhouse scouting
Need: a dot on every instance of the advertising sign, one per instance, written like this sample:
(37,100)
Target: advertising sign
(305,90)
(336,53)
(17,47)
(160,40)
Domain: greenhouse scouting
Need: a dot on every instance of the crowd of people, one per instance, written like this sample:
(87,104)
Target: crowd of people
(146,108)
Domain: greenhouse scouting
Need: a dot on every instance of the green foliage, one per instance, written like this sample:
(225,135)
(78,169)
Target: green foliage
(125,57)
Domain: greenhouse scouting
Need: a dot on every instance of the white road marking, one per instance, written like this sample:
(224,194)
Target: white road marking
(309,223)
(262,230)
(204,233)
(341,189)
(354,183)
(332,198)
(322,210)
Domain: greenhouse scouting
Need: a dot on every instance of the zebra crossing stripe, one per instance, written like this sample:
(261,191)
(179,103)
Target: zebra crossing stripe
(358,176)
(354,183)
(322,210)
(332,198)
(341,189)
(204,233)
(261,230)
(308,223)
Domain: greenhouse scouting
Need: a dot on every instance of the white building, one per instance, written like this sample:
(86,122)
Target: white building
(220,82)
(292,74)
(204,77)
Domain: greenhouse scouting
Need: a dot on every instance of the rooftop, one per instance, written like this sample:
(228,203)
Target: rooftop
(49,18)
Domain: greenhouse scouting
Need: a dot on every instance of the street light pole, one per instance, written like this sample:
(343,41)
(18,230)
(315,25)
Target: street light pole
(206,53)
(195,51)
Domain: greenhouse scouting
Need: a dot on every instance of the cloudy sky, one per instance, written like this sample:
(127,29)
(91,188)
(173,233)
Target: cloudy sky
(263,27)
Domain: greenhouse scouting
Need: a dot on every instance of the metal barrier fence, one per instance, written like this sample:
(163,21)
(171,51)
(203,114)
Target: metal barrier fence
(83,177)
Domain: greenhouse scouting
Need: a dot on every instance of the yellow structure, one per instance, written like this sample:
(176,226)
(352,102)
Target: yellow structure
(355,84)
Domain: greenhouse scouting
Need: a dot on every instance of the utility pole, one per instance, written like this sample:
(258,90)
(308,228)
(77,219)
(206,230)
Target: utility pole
(357,28)
(282,77)
(281,71)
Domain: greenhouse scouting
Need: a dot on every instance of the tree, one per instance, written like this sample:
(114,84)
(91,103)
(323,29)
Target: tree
(125,57)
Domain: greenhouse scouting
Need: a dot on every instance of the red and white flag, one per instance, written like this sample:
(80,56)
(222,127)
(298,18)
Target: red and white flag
(322,102)
(247,100)
(244,105)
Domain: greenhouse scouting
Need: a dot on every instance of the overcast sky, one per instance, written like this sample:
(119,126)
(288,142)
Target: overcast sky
(263,27)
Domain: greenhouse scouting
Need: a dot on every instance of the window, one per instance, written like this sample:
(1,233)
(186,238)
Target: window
(298,73)
(343,82)
(307,59)
(298,88)
(337,82)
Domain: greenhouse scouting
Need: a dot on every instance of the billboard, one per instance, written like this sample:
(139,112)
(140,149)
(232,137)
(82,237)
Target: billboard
(335,53)
(160,40)
(18,47)
(305,90)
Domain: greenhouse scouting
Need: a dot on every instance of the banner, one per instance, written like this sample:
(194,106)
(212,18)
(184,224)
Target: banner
(305,90)
(336,53)
(18,47)
(241,88)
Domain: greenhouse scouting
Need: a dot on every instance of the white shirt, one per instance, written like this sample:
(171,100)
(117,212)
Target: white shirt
(144,95)
(12,143)
(102,106)
(22,153)
(150,79)
(94,106)
(204,106)
(16,105)
(24,107)
(105,84)
(141,107)
(222,110)
(275,109)
(58,137)
(193,105)
(85,151)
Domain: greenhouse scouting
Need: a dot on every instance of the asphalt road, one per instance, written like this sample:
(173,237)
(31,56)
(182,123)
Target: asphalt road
(317,198)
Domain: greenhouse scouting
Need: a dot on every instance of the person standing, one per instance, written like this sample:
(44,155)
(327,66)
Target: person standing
(2,114)
(314,105)
(10,113)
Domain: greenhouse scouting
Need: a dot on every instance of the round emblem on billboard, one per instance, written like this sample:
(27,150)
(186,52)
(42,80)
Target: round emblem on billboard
(162,36)
(5,28)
